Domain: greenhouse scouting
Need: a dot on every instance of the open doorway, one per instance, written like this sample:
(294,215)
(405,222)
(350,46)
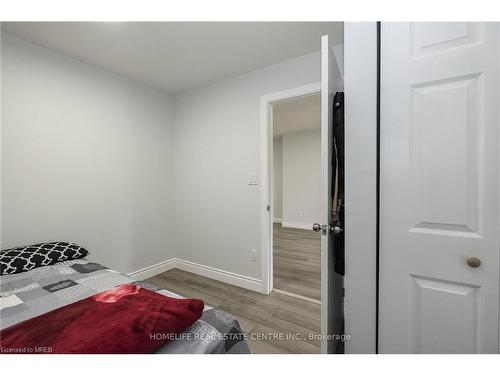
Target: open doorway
(331,281)
(297,197)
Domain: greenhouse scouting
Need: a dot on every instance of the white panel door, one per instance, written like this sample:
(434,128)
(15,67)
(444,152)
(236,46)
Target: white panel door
(331,282)
(439,197)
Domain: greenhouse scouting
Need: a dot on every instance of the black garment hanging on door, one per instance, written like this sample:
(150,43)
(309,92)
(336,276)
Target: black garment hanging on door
(338,181)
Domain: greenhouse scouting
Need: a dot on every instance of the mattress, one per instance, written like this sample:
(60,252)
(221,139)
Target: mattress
(29,294)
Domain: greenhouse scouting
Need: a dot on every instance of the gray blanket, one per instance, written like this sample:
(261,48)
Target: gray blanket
(29,294)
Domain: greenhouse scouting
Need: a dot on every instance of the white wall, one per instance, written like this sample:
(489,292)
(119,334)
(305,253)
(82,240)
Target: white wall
(338,52)
(302,178)
(278,179)
(100,167)
(360,185)
(85,157)
(216,214)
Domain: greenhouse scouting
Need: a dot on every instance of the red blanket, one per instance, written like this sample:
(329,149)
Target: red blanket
(126,319)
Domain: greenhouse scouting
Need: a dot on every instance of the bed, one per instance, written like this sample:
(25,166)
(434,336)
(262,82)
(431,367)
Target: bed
(44,289)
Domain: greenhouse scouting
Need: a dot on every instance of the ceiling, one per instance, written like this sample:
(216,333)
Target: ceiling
(178,56)
(303,113)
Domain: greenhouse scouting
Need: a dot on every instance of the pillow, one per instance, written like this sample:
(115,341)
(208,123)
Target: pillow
(22,259)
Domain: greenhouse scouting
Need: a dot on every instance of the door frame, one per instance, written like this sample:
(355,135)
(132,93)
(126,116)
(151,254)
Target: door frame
(266,136)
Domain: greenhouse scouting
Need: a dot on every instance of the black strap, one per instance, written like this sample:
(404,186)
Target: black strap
(338,173)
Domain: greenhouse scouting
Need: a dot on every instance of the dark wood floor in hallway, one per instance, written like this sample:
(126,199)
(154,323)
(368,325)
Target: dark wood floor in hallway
(257,313)
(297,261)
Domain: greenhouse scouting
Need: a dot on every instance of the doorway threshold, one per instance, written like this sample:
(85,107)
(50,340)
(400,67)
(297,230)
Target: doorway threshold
(298,296)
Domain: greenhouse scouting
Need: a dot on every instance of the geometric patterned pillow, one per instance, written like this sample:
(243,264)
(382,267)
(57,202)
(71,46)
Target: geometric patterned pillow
(22,259)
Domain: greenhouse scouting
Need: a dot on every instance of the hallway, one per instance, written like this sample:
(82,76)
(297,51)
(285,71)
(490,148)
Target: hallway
(297,261)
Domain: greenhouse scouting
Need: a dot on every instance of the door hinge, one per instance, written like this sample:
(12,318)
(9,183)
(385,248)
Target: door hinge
(268,208)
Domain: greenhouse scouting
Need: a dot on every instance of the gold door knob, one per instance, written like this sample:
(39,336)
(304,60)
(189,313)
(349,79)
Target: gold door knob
(473,262)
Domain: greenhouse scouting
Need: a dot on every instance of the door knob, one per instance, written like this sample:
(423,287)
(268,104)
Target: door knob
(316,227)
(473,262)
(335,229)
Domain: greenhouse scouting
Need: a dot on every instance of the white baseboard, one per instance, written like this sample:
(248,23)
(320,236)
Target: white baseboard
(153,270)
(294,224)
(221,275)
(198,269)
(278,220)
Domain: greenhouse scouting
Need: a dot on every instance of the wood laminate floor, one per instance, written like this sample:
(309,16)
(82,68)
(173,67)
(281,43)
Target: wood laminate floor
(257,313)
(297,261)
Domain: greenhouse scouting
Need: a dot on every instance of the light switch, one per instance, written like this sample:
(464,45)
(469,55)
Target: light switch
(253,255)
(252,179)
